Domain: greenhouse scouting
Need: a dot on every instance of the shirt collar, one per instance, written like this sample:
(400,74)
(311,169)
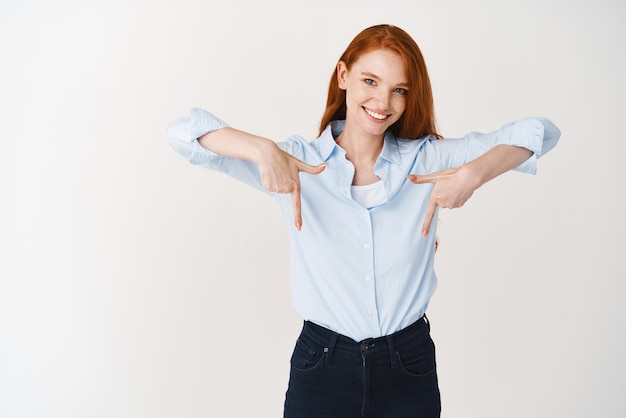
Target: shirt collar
(391,151)
(327,144)
(326,141)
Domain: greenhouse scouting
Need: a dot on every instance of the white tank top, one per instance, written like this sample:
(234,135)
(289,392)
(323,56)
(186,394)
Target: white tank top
(369,195)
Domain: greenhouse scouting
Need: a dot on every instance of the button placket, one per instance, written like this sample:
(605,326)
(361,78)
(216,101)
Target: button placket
(370,310)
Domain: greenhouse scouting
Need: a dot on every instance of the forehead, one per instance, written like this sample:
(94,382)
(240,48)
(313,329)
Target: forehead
(383,63)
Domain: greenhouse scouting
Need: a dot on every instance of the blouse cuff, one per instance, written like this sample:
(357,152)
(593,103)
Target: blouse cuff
(532,134)
(526,133)
(192,127)
(203,122)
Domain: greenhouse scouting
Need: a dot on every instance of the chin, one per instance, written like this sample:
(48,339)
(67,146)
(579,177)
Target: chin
(375,128)
(379,131)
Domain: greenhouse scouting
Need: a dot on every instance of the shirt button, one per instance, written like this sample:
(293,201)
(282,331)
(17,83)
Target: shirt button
(365,215)
(366,246)
(368,278)
(370,312)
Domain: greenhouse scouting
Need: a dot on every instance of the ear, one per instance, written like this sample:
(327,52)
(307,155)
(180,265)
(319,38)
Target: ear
(342,71)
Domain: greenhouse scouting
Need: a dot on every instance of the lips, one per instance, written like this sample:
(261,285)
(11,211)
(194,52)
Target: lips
(377,116)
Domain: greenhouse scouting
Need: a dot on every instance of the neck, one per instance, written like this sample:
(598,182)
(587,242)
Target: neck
(363,152)
(360,148)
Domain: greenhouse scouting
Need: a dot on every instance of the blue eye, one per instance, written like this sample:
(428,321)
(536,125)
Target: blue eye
(370,81)
(401,91)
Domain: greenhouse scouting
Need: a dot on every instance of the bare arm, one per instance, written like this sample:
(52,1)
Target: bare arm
(234,143)
(453,187)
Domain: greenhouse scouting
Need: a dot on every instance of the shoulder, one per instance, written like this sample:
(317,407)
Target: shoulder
(321,148)
(301,148)
(409,146)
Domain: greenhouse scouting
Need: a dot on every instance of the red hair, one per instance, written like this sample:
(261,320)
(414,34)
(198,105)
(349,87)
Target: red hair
(418,119)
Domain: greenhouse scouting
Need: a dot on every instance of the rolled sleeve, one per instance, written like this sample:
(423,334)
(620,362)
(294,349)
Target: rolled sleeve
(538,135)
(184,132)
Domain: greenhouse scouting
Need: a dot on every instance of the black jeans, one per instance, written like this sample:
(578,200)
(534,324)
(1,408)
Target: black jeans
(333,376)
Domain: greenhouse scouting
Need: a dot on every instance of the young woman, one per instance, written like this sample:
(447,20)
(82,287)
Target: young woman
(362,240)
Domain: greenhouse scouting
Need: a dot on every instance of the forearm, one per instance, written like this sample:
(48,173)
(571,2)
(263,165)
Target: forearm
(234,143)
(494,162)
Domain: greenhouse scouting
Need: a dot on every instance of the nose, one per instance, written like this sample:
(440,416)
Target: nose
(382,99)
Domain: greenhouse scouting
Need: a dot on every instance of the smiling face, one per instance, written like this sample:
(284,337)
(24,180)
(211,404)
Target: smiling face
(376,88)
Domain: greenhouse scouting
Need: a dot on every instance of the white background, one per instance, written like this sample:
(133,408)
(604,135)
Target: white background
(133,284)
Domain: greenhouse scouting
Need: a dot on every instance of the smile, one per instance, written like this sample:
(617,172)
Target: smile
(375,115)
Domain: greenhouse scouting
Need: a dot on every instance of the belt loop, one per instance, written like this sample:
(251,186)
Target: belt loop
(392,351)
(331,347)
(427,322)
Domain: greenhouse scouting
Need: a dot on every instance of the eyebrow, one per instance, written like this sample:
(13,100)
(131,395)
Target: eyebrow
(404,84)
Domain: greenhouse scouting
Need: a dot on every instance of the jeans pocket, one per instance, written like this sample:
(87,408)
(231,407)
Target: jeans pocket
(306,355)
(418,360)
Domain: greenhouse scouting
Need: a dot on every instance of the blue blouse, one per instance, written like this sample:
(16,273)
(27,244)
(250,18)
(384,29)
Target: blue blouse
(362,272)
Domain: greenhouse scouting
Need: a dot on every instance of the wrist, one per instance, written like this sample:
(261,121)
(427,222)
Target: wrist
(263,149)
(473,174)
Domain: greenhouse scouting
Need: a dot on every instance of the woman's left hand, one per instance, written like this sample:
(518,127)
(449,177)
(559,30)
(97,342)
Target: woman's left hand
(452,188)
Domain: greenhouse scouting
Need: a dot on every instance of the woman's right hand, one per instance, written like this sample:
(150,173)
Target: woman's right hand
(279,170)
(280,173)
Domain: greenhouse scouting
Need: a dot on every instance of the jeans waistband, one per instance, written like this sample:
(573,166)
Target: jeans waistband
(370,347)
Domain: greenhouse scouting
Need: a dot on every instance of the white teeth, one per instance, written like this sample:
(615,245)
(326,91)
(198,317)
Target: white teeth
(375,115)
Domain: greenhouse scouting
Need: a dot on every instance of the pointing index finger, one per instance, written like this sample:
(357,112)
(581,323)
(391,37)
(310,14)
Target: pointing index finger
(297,206)
(310,169)
(428,218)
(422,179)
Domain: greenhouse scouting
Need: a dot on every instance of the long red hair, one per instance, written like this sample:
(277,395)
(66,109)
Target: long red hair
(418,119)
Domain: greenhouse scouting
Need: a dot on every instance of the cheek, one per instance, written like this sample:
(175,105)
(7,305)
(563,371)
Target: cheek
(353,98)
(400,105)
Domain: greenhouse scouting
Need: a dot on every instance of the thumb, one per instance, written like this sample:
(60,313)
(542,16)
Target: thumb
(311,169)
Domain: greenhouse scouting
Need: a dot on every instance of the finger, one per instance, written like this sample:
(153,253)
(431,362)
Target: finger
(428,219)
(311,169)
(431,177)
(296,204)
